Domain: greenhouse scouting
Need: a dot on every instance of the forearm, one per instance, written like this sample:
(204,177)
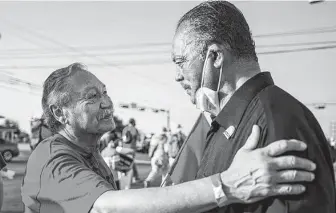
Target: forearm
(195,196)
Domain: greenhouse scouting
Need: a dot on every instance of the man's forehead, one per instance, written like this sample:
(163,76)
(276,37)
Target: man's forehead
(85,80)
(181,43)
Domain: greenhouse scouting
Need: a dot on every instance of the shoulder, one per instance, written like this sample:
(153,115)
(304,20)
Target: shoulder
(279,105)
(126,128)
(275,98)
(287,117)
(50,150)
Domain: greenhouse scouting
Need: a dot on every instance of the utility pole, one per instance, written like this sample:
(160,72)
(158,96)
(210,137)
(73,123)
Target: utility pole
(168,120)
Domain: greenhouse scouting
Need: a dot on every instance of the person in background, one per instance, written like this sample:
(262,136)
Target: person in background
(130,136)
(173,148)
(159,157)
(181,137)
(2,166)
(105,140)
(109,154)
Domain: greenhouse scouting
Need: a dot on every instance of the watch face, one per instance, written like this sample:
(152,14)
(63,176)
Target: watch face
(217,187)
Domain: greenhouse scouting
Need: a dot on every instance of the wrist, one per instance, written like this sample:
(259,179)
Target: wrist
(219,191)
(228,185)
(237,187)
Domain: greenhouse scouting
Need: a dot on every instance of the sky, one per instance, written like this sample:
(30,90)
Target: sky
(128,46)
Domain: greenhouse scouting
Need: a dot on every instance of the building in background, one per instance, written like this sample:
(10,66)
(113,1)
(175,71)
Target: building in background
(9,130)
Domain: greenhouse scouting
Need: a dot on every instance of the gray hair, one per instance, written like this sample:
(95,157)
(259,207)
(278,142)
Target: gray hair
(220,22)
(56,92)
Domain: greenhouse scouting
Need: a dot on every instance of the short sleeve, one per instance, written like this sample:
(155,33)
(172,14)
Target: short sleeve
(70,186)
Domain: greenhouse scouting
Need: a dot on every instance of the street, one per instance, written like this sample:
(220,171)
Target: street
(12,188)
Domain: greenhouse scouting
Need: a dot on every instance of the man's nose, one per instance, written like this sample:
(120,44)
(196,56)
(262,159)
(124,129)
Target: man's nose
(106,102)
(179,77)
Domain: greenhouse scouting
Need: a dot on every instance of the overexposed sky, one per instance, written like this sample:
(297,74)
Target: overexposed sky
(128,44)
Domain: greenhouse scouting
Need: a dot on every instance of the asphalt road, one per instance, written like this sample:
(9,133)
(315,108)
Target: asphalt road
(12,188)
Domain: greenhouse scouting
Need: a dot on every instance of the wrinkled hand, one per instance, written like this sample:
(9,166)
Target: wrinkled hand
(258,173)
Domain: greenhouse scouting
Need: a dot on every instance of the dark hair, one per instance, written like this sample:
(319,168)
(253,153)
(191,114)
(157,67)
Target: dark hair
(220,22)
(132,121)
(56,92)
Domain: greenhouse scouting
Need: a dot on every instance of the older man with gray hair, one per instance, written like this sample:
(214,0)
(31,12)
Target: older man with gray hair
(66,173)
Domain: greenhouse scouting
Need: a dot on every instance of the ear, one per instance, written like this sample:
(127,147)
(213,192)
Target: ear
(218,53)
(58,114)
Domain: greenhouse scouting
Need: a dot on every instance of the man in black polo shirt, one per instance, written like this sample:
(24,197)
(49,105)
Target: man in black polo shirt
(218,67)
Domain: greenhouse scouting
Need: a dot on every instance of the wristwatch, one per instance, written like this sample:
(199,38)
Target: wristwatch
(217,186)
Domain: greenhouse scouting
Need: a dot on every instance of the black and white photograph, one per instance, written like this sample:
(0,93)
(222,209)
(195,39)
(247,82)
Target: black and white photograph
(207,106)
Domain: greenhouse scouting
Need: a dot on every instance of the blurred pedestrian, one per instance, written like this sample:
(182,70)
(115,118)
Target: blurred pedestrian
(105,140)
(181,137)
(173,148)
(2,166)
(130,135)
(159,158)
(110,155)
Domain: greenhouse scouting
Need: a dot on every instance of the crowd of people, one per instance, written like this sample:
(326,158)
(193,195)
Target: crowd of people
(254,147)
(163,149)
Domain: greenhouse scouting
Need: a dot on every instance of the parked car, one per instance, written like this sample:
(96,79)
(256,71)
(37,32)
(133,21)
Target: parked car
(8,150)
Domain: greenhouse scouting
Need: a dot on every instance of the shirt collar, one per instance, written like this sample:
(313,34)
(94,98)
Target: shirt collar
(234,110)
(85,152)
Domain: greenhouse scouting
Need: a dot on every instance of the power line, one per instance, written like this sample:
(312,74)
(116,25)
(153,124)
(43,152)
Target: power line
(318,103)
(11,88)
(299,32)
(102,54)
(29,40)
(129,63)
(297,50)
(51,40)
(114,47)
(296,44)
(39,35)
(155,61)
(17,81)
(156,52)
(133,46)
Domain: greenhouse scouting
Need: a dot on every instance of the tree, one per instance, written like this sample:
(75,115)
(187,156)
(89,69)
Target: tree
(11,123)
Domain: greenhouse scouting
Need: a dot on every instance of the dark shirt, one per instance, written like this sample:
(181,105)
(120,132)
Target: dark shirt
(188,159)
(134,136)
(2,162)
(280,116)
(62,177)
